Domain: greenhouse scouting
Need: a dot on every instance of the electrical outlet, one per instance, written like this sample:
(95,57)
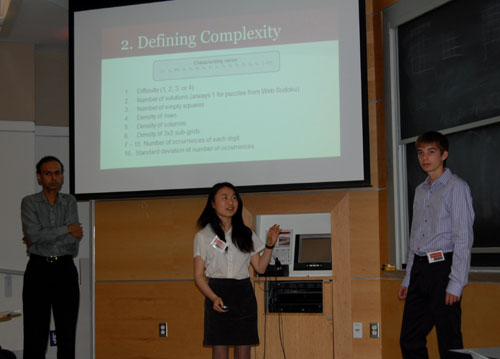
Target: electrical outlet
(374,330)
(163,330)
(357,330)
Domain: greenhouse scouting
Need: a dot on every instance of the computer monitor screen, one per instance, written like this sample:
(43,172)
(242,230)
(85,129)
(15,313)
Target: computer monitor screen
(312,254)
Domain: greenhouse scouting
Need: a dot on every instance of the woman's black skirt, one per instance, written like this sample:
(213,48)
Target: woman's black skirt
(237,326)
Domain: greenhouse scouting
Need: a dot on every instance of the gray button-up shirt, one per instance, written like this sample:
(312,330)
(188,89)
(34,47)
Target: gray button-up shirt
(46,226)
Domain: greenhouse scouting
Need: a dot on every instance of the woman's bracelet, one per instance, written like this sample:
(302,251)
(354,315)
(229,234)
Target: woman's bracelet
(269,247)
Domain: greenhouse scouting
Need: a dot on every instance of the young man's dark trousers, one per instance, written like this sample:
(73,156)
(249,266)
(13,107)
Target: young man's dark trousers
(425,307)
(50,286)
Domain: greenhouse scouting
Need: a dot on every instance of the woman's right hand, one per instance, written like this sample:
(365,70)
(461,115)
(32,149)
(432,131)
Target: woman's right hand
(219,305)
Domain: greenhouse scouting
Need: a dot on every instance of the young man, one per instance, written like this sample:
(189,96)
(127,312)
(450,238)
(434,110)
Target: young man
(52,234)
(439,255)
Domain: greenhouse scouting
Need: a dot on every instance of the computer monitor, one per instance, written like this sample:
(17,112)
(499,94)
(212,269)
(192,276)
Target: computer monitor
(312,255)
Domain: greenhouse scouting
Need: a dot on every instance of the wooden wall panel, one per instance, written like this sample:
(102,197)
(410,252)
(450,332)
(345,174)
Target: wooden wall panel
(480,315)
(376,6)
(377,149)
(292,202)
(341,269)
(303,335)
(146,239)
(141,243)
(338,203)
(383,228)
(128,316)
(366,306)
(375,83)
(365,246)
(375,58)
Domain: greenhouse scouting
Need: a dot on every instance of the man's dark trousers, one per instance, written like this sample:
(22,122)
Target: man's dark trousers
(50,285)
(425,307)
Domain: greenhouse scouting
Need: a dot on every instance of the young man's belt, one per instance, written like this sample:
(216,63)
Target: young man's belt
(50,259)
(425,259)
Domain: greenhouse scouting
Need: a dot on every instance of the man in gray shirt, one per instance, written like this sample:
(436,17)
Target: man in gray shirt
(52,235)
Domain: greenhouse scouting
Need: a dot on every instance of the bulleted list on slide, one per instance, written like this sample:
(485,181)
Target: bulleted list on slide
(244,106)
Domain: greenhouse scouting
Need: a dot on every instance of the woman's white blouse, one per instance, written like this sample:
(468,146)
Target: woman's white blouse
(232,263)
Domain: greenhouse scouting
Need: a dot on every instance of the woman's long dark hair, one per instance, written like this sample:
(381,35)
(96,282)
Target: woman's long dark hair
(241,234)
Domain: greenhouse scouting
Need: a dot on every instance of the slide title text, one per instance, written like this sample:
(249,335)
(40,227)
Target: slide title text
(163,40)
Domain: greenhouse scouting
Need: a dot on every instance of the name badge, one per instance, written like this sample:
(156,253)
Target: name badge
(437,256)
(219,244)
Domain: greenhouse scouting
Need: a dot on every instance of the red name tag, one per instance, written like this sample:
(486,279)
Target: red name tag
(437,256)
(219,244)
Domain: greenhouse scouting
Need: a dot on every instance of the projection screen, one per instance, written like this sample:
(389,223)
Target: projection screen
(170,97)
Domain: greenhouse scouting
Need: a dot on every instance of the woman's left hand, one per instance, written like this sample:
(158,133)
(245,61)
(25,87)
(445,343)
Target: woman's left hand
(272,235)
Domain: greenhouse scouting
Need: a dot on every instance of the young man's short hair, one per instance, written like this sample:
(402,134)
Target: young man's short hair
(433,137)
(45,160)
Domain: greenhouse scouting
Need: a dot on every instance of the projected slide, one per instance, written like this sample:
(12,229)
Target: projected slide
(174,96)
(250,104)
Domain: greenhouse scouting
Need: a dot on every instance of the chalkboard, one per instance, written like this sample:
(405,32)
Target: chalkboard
(449,75)
(449,72)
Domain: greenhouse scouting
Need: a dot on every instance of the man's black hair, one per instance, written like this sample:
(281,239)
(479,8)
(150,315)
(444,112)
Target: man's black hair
(45,160)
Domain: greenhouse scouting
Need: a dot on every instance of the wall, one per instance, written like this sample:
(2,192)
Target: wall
(14,186)
(143,267)
(143,251)
(35,85)
(51,86)
(17,103)
(17,79)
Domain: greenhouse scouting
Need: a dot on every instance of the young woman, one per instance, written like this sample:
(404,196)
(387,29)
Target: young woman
(223,252)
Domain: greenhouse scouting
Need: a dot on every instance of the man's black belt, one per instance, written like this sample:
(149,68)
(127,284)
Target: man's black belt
(424,259)
(50,259)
